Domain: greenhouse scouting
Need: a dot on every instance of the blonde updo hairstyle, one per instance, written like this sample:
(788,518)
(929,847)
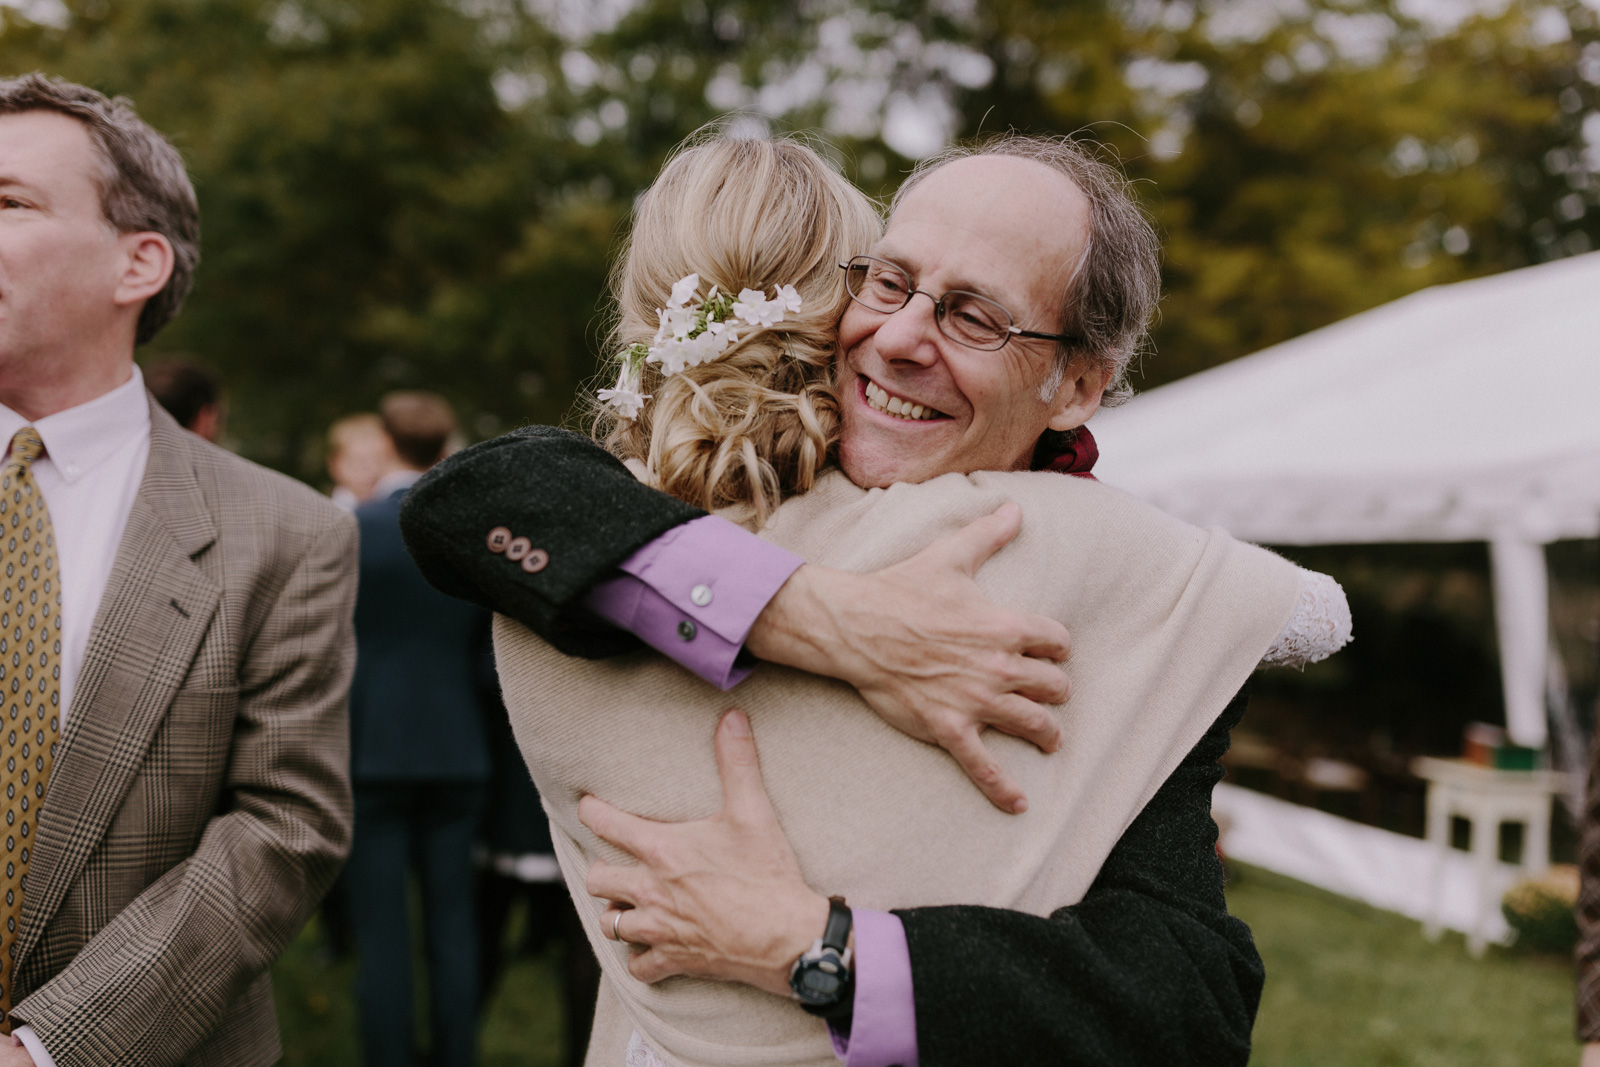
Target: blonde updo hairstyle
(758,423)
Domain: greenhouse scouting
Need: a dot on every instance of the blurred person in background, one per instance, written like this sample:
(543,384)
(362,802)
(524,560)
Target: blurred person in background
(359,453)
(521,865)
(190,394)
(419,763)
(188,626)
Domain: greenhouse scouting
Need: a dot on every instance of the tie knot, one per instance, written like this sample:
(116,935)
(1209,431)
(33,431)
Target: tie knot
(26,447)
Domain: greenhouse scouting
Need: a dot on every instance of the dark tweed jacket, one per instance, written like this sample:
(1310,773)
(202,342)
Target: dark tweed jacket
(1148,969)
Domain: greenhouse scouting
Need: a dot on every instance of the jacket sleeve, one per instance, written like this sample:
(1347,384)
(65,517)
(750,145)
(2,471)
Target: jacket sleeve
(570,498)
(1149,968)
(154,981)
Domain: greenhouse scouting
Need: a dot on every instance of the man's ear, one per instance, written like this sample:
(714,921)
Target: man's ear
(146,266)
(1079,395)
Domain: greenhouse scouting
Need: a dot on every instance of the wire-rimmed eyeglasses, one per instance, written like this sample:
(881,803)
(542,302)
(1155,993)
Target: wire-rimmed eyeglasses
(966,318)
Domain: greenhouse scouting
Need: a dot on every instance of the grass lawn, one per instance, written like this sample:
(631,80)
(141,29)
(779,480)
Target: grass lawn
(1347,986)
(316,1012)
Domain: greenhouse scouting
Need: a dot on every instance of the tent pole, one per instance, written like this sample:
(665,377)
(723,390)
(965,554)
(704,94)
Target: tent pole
(1522,622)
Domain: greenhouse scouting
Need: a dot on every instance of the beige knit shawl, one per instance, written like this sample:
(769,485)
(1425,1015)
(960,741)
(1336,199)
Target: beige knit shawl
(1167,623)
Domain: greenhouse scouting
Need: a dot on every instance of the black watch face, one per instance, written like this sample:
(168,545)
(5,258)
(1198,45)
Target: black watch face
(817,986)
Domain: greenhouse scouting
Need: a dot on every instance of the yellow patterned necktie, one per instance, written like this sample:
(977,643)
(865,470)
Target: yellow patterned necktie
(30,680)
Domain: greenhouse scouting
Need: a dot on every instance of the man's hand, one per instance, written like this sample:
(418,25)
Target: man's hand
(1591,1055)
(719,898)
(927,651)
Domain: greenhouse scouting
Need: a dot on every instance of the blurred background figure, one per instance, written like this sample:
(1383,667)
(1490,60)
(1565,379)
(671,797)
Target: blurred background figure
(419,766)
(190,394)
(520,864)
(360,452)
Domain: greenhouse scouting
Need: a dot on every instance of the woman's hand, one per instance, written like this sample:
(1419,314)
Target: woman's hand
(928,651)
(719,898)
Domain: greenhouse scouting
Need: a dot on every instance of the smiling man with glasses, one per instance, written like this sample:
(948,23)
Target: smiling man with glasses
(1040,274)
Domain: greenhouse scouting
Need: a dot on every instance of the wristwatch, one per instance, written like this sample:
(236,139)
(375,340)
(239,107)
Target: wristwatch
(823,979)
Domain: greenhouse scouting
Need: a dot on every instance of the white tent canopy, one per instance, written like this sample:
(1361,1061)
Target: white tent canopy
(1467,412)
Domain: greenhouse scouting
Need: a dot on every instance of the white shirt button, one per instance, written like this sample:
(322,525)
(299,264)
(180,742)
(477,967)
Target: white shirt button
(700,595)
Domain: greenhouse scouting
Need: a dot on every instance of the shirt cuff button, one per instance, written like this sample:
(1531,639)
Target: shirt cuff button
(686,630)
(700,595)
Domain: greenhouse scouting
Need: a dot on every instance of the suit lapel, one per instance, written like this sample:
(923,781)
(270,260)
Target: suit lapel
(156,609)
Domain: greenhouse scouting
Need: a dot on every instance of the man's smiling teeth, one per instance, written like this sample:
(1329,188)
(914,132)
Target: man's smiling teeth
(880,400)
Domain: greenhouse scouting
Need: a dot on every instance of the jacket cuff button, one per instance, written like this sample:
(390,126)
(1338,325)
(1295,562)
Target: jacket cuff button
(499,538)
(536,561)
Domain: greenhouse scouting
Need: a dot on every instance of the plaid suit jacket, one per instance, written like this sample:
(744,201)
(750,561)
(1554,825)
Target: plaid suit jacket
(199,806)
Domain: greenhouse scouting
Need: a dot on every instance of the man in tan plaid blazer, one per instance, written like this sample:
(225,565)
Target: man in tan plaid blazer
(195,802)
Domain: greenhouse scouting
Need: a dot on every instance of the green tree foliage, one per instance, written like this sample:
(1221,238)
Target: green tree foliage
(429,192)
(373,217)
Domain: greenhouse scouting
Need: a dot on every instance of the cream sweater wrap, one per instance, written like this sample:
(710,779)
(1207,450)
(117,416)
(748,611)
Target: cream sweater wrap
(1167,623)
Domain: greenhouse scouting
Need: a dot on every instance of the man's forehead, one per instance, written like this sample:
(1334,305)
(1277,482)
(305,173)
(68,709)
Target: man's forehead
(45,147)
(978,213)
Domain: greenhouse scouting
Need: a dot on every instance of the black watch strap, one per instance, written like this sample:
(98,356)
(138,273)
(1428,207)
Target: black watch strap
(836,935)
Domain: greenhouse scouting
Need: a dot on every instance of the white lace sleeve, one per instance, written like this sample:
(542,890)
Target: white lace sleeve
(1319,627)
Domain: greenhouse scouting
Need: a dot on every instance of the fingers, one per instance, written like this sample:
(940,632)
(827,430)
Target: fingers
(743,791)
(1040,680)
(986,773)
(615,826)
(616,883)
(1023,718)
(631,926)
(1044,638)
(971,546)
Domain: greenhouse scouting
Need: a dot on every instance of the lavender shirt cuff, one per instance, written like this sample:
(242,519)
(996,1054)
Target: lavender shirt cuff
(693,593)
(883,1027)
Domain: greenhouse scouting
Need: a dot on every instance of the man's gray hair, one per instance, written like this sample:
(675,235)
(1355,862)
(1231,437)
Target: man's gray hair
(142,182)
(1111,296)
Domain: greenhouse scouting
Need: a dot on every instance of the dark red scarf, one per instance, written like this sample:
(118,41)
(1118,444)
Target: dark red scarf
(1075,456)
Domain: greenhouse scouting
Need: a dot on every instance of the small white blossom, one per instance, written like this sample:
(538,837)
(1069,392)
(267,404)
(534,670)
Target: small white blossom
(789,296)
(626,402)
(748,306)
(674,354)
(675,322)
(684,291)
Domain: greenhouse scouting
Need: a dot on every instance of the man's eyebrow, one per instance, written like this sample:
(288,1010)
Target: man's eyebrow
(960,281)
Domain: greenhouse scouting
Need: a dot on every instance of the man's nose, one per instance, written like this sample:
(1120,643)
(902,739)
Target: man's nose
(911,333)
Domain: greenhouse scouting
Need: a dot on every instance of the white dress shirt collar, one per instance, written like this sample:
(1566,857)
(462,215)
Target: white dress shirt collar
(79,439)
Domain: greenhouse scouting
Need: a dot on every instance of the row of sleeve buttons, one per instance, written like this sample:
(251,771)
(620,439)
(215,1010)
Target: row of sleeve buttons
(519,550)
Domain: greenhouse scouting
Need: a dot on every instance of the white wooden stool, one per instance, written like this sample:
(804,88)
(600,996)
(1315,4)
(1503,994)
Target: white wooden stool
(1486,798)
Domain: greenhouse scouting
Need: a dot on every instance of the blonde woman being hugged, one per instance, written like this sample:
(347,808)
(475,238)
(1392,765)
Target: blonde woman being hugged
(731,397)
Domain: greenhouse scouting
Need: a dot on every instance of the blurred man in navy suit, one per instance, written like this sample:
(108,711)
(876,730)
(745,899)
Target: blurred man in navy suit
(419,765)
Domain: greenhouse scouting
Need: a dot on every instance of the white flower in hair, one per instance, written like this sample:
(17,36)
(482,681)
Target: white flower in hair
(683,290)
(691,332)
(627,402)
(675,354)
(626,399)
(756,310)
